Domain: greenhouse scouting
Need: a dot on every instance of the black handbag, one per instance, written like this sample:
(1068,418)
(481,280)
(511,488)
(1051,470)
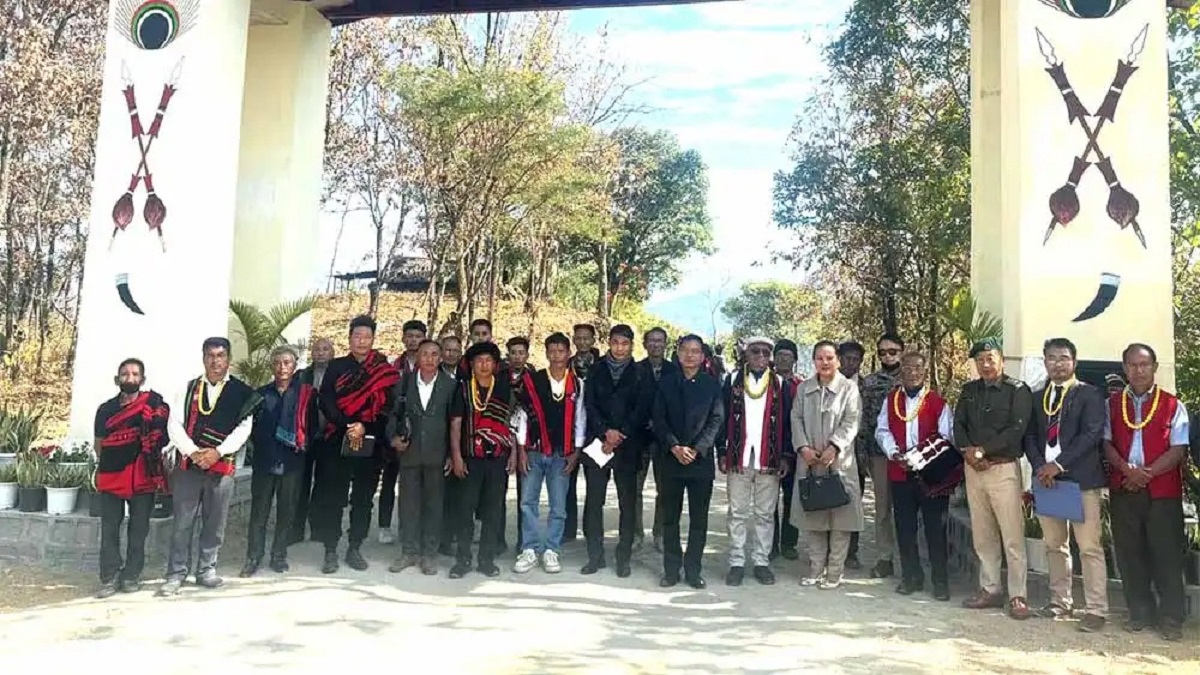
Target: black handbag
(822,492)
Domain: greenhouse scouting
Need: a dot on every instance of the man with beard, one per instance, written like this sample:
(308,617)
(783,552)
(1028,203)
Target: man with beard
(418,431)
(616,410)
(406,364)
(131,432)
(875,388)
(754,453)
(652,369)
(850,355)
(280,437)
(909,417)
(687,419)
(356,397)
(1065,443)
(557,430)
(787,535)
(1145,441)
(989,429)
(586,354)
(209,425)
(482,445)
(313,376)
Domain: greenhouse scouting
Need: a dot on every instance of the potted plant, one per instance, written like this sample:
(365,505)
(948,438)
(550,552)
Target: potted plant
(1191,563)
(1035,548)
(87,490)
(31,472)
(62,489)
(73,455)
(18,430)
(8,486)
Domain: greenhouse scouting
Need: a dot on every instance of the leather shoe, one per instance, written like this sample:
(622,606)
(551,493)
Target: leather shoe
(279,564)
(697,582)
(488,570)
(734,576)
(1170,631)
(1135,625)
(593,566)
(907,587)
(429,566)
(131,585)
(882,569)
(984,600)
(668,581)
(355,559)
(331,562)
(402,563)
(791,553)
(107,590)
(941,592)
(623,570)
(459,570)
(250,568)
(1091,623)
(764,575)
(1019,609)
(210,580)
(852,563)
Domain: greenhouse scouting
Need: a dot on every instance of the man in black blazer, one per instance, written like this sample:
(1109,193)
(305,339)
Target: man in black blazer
(1064,443)
(688,414)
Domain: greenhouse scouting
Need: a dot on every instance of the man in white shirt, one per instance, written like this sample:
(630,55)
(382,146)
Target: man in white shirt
(210,422)
(914,416)
(751,453)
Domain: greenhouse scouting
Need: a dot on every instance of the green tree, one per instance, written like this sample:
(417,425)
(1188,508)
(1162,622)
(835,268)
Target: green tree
(262,332)
(1184,78)
(775,309)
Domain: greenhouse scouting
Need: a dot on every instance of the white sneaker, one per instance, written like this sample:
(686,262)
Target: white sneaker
(525,562)
(550,562)
(811,581)
(386,536)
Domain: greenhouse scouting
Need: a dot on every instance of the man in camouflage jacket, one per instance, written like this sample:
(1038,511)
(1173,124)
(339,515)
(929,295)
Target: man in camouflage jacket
(875,388)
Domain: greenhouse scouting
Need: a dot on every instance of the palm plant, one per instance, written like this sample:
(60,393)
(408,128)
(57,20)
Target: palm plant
(263,332)
(19,428)
(970,322)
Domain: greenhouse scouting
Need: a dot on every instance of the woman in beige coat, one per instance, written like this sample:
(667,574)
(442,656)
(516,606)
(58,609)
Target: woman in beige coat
(825,419)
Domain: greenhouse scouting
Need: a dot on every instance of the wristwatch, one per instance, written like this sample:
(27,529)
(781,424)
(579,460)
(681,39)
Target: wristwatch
(978,454)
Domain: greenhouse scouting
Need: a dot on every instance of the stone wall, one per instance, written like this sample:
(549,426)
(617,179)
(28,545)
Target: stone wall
(72,542)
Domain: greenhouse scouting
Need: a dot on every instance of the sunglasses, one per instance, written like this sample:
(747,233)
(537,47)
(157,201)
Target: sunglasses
(759,351)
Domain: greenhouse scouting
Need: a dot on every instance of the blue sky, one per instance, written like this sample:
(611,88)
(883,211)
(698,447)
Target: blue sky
(728,79)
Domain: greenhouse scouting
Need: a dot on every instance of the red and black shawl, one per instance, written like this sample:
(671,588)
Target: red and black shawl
(487,431)
(362,393)
(532,397)
(775,420)
(131,439)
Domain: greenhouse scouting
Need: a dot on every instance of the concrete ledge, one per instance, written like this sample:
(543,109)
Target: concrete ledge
(73,541)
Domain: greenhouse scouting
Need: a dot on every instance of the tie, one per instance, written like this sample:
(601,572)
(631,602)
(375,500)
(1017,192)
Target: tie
(1052,431)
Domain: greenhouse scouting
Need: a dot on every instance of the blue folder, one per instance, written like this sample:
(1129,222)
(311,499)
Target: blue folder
(1064,500)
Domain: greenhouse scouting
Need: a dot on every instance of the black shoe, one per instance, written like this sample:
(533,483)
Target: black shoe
(734,576)
(764,575)
(593,566)
(773,554)
(402,563)
(107,590)
(279,564)
(429,566)
(446,549)
(488,570)
(791,553)
(250,568)
(668,580)
(882,569)
(941,592)
(459,570)
(697,582)
(331,561)
(852,563)
(1091,623)
(355,560)
(1135,625)
(131,585)
(210,580)
(623,569)
(1170,631)
(908,587)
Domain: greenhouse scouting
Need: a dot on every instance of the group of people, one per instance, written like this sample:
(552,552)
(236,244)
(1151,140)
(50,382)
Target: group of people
(445,431)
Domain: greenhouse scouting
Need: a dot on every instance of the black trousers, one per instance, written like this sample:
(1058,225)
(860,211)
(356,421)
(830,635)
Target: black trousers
(304,492)
(451,500)
(390,468)
(112,514)
(862,487)
(1150,544)
(909,506)
(571,527)
(482,491)
(421,507)
(341,481)
(624,472)
(698,486)
(787,535)
(265,488)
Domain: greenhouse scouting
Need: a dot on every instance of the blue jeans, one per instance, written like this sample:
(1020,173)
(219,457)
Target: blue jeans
(549,470)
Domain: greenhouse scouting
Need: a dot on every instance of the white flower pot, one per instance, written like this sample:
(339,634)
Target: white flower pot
(1035,554)
(71,465)
(61,501)
(8,496)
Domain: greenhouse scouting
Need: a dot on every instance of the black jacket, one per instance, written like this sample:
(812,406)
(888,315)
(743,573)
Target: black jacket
(621,405)
(649,387)
(688,413)
(1080,435)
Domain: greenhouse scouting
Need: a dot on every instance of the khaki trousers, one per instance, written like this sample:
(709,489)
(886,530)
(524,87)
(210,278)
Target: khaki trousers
(885,526)
(998,526)
(827,550)
(1091,551)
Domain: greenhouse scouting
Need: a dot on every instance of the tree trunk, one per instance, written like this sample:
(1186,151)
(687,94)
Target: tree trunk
(602,306)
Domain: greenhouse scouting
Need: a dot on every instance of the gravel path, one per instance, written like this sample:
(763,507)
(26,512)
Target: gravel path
(538,623)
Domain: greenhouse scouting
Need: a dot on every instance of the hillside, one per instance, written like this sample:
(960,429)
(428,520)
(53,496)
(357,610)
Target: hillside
(50,389)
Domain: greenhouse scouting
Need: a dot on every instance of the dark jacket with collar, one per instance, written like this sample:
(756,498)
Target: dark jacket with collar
(649,387)
(688,413)
(619,405)
(427,427)
(1080,435)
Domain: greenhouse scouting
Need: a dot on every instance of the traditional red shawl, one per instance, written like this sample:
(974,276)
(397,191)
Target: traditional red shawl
(130,451)
(362,393)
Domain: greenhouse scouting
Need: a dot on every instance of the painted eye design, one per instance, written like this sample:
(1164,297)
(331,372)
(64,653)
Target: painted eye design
(155,24)
(1087,9)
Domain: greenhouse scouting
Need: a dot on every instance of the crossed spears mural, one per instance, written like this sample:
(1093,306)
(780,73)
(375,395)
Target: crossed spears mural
(1122,205)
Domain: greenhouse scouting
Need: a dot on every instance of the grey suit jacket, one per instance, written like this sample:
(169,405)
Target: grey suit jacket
(426,426)
(1080,435)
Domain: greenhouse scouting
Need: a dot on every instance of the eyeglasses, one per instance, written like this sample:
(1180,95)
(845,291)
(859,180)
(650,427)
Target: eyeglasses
(889,352)
(759,351)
